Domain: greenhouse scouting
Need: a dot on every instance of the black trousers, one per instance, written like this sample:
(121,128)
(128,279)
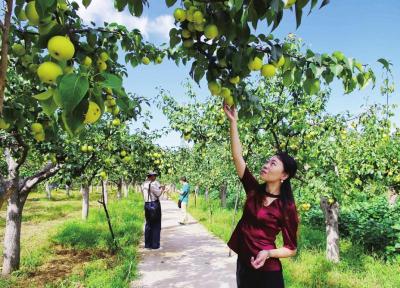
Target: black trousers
(247,277)
(153,225)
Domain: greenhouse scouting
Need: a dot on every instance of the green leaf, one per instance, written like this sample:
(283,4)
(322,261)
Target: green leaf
(328,76)
(56,30)
(73,121)
(288,78)
(173,37)
(243,19)
(44,95)
(277,20)
(236,4)
(86,3)
(57,97)
(120,4)
(43,7)
(170,2)
(275,5)
(111,81)
(324,3)
(336,69)
(48,106)
(198,73)
(385,63)
(135,7)
(72,89)
(299,13)
(313,3)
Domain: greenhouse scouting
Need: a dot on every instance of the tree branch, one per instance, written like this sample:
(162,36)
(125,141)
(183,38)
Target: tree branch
(25,147)
(28,183)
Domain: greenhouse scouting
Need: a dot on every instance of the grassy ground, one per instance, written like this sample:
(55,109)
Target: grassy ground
(309,268)
(61,250)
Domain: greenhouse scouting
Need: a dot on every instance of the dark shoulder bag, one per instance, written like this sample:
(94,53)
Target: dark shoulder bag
(180,201)
(151,207)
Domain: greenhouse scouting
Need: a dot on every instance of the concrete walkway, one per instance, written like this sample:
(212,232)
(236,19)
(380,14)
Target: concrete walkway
(190,256)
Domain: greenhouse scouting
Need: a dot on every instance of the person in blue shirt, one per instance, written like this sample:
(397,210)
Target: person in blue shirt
(184,197)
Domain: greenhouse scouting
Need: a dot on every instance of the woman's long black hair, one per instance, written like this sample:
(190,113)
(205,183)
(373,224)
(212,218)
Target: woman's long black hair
(290,167)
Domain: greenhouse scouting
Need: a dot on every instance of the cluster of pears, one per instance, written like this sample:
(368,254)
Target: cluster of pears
(61,49)
(111,107)
(30,13)
(306,206)
(103,175)
(111,104)
(51,157)
(101,61)
(86,148)
(187,133)
(19,50)
(193,23)
(146,60)
(38,132)
(218,90)
(267,70)
(157,158)
(125,156)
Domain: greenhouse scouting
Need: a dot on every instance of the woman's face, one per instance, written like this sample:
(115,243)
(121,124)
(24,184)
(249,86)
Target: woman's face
(273,170)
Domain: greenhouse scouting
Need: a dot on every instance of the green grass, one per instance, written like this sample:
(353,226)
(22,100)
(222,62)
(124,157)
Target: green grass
(39,209)
(40,217)
(309,268)
(54,224)
(115,270)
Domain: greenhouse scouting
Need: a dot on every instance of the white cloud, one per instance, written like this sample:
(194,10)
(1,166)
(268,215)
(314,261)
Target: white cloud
(161,25)
(100,11)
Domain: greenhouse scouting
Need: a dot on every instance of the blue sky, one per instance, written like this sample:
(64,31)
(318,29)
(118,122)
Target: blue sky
(366,30)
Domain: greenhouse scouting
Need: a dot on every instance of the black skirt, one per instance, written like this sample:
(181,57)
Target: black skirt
(247,277)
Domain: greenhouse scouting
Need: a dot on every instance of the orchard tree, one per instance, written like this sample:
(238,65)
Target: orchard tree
(52,86)
(69,72)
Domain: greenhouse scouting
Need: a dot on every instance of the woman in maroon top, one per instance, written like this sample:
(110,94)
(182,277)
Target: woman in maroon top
(269,209)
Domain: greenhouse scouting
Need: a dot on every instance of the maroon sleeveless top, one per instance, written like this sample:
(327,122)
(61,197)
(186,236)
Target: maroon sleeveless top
(259,226)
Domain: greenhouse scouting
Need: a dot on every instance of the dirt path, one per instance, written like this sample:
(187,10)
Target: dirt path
(190,256)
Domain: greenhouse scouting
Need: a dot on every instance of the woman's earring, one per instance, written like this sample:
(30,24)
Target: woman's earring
(281,181)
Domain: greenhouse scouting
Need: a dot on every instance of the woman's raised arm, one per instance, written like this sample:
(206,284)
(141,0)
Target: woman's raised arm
(236,146)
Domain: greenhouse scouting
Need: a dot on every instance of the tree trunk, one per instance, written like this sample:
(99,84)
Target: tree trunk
(10,186)
(85,201)
(222,194)
(119,189)
(331,212)
(392,196)
(206,194)
(12,236)
(196,193)
(7,9)
(125,188)
(105,192)
(136,187)
(48,190)
(68,190)
(173,188)
(235,213)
